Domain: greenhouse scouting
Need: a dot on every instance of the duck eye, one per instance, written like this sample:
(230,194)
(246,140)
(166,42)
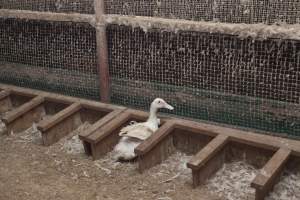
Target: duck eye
(158,102)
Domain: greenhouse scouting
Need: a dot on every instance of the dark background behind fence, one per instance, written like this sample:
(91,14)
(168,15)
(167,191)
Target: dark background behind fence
(216,77)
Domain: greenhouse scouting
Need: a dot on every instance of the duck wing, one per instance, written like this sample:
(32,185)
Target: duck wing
(137,130)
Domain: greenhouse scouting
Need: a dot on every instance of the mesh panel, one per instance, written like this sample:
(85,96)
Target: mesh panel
(232,11)
(81,6)
(209,76)
(59,57)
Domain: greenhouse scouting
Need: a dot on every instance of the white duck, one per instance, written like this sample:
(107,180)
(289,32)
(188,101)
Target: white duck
(133,134)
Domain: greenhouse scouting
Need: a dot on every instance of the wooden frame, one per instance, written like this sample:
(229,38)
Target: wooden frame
(102,136)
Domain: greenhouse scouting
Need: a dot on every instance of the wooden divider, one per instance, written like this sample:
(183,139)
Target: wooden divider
(22,117)
(269,175)
(209,160)
(102,136)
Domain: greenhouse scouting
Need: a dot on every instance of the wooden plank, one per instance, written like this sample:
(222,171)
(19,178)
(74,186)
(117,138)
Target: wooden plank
(157,154)
(110,116)
(155,138)
(108,128)
(173,25)
(269,175)
(60,116)
(18,112)
(58,97)
(208,152)
(47,16)
(244,137)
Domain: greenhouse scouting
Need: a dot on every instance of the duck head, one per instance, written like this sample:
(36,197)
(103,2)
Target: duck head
(159,103)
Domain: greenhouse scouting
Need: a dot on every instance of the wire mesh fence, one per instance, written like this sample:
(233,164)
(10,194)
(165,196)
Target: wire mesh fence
(214,77)
(217,77)
(231,11)
(59,57)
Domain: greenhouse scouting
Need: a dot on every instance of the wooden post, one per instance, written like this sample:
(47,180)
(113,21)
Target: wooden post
(102,51)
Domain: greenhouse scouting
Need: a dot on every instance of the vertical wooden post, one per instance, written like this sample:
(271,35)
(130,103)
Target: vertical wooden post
(102,51)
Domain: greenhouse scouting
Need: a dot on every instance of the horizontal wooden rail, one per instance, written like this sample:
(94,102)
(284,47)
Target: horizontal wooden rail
(58,97)
(244,137)
(262,31)
(47,16)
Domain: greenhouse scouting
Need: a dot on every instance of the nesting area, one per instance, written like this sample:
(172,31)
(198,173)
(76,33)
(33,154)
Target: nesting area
(221,162)
(76,77)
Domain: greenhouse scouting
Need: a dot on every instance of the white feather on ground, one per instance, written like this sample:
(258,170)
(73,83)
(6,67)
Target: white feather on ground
(2,127)
(233,181)
(288,187)
(72,144)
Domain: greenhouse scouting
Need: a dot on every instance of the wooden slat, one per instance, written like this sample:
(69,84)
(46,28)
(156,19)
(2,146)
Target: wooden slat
(108,128)
(209,151)
(172,25)
(100,123)
(4,94)
(271,169)
(46,16)
(60,116)
(60,98)
(13,115)
(245,137)
(155,138)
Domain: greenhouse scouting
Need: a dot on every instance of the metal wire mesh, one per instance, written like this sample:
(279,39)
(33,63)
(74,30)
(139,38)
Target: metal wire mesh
(231,11)
(216,77)
(59,57)
(207,76)
(80,6)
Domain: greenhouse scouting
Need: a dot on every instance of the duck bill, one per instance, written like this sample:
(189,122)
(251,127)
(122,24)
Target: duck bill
(167,106)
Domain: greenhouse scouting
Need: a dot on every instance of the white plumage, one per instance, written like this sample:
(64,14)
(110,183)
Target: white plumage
(133,134)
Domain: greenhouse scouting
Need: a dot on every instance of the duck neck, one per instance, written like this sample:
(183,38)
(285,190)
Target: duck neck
(153,115)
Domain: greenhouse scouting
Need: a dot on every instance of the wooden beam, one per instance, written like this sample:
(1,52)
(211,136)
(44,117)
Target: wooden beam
(263,141)
(269,175)
(18,112)
(109,128)
(208,160)
(157,148)
(100,123)
(102,51)
(60,116)
(47,16)
(208,152)
(174,25)
(155,138)
(22,117)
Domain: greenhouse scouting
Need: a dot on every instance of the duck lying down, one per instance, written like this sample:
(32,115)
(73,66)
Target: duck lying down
(135,133)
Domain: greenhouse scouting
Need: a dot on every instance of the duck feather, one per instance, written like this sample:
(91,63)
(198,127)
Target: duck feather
(138,130)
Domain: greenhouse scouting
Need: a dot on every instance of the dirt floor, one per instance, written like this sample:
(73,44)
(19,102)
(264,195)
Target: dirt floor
(29,170)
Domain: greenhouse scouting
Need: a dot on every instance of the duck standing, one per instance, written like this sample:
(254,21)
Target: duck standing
(133,134)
